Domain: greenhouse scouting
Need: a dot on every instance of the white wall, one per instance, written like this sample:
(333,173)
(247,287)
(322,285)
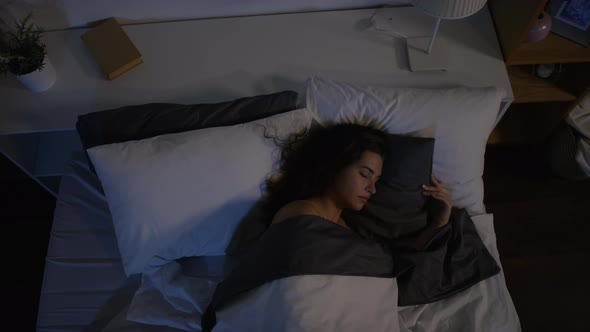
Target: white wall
(61,14)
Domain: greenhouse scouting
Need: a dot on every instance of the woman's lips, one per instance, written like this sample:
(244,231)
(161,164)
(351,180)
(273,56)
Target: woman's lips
(364,199)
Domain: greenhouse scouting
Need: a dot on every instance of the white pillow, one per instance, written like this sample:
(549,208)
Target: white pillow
(183,194)
(463,119)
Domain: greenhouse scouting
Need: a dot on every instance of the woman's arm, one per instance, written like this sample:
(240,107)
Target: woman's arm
(439,212)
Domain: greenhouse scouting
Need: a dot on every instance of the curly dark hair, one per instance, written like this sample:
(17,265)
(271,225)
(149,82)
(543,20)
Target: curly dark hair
(311,161)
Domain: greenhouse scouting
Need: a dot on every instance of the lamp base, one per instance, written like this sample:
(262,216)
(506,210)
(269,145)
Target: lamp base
(420,60)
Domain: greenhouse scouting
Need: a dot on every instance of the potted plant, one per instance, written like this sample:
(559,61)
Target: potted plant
(23,54)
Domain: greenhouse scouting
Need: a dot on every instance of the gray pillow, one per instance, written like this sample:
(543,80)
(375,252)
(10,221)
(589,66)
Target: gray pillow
(136,122)
(398,207)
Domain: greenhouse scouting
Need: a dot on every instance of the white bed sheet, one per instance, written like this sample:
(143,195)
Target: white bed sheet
(83,270)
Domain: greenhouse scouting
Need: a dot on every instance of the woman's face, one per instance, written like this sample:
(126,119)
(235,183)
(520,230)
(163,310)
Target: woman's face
(356,183)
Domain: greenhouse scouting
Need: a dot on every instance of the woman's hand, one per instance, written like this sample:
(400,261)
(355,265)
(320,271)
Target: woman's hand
(440,207)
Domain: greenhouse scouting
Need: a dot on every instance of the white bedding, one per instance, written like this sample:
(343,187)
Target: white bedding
(84,273)
(78,286)
(315,303)
(338,303)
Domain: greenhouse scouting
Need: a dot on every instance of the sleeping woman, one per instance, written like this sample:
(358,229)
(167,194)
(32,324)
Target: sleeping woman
(335,168)
(308,255)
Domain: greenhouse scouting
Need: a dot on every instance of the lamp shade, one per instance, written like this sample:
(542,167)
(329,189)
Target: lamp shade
(449,9)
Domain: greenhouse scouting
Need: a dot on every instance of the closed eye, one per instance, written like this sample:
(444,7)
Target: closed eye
(366,172)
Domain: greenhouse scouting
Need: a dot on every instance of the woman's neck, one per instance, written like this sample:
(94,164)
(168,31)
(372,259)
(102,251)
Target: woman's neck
(327,208)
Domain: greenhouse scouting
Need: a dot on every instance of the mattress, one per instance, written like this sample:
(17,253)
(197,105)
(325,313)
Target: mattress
(83,283)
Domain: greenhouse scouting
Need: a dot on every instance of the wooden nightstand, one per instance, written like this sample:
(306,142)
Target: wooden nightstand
(221,59)
(539,104)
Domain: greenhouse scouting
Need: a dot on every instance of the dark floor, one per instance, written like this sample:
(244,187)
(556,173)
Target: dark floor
(542,225)
(26,214)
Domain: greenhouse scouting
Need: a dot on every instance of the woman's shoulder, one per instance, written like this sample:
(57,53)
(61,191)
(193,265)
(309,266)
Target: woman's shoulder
(294,208)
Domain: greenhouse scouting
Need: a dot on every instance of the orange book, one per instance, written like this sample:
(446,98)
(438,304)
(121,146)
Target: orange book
(113,50)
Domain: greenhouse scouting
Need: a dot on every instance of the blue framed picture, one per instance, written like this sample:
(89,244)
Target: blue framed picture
(575,13)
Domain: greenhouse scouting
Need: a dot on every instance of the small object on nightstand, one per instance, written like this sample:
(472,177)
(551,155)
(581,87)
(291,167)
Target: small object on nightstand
(544,70)
(540,29)
(548,71)
(24,54)
(113,50)
(571,20)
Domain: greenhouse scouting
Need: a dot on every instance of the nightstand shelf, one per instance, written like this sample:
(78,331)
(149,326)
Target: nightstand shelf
(528,88)
(553,49)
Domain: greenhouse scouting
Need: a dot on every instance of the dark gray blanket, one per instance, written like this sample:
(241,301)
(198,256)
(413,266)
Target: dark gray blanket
(455,259)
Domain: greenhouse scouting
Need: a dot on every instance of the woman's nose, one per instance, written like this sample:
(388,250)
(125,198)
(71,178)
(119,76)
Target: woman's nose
(371,188)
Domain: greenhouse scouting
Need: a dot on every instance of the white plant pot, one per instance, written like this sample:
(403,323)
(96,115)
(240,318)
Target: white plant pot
(39,80)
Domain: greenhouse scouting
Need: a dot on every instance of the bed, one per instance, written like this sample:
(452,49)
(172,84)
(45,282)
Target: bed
(91,281)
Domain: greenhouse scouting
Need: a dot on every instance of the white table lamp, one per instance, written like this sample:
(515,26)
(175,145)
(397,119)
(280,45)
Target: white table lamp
(421,53)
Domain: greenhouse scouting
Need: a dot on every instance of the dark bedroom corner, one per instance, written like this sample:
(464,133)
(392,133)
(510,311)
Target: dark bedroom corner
(27,214)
